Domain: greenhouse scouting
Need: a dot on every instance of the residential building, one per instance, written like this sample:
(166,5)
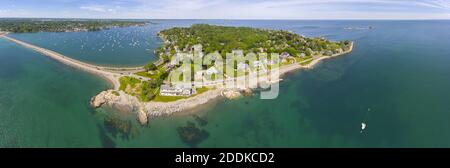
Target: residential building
(167,90)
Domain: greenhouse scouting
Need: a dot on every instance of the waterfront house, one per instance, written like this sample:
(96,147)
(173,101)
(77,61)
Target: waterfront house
(328,53)
(178,90)
(285,55)
(302,55)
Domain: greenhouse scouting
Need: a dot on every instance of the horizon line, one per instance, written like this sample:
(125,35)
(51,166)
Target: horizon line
(287,19)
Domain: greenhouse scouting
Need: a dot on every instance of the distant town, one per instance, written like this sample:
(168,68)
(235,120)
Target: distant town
(62,25)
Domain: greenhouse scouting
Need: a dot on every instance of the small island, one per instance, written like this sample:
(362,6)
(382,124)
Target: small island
(153,92)
(63,25)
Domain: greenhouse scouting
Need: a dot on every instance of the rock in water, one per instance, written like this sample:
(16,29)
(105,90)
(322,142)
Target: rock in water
(98,100)
(200,120)
(231,94)
(191,135)
(142,116)
(105,97)
(248,92)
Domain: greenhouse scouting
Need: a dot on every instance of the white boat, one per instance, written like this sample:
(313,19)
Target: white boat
(363,126)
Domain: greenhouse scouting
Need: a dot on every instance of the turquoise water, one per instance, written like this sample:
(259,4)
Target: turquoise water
(44,103)
(396,80)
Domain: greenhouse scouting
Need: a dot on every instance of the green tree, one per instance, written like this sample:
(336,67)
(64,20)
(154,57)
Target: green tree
(150,67)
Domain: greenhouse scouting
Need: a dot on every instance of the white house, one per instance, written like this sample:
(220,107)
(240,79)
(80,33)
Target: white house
(302,55)
(197,48)
(167,90)
(285,55)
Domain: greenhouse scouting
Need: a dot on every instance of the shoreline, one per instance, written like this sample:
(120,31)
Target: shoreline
(110,74)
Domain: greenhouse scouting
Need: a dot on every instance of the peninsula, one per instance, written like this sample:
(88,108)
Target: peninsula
(155,93)
(150,91)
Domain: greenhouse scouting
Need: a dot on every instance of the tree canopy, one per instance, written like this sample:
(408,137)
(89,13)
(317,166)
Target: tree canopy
(225,39)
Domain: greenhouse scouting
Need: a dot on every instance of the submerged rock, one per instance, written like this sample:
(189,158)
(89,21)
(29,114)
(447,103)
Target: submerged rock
(191,135)
(200,120)
(117,126)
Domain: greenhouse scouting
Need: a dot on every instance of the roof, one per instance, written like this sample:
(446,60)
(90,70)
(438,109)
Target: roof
(285,54)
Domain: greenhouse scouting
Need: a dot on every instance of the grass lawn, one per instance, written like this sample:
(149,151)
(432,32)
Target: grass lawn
(144,74)
(155,75)
(298,59)
(125,81)
(116,93)
(306,62)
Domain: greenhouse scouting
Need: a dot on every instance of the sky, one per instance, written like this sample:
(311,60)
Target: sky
(228,9)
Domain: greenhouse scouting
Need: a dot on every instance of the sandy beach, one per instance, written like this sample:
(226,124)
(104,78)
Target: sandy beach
(111,74)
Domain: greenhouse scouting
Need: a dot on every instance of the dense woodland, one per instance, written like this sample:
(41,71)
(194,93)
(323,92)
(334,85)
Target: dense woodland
(226,39)
(56,25)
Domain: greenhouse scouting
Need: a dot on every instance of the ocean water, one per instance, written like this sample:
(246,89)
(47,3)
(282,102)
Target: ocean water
(130,46)
(44,103)
(396,81)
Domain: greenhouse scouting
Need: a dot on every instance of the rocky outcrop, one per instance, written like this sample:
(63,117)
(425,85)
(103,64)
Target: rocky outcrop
(144,110)
(231,94)
(103,97)
(121,102)
(247,92)
(142,116)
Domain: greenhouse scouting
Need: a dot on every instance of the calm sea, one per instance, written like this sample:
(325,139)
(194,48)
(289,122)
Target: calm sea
(396,81)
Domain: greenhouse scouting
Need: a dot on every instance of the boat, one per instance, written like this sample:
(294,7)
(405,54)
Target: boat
(363,127)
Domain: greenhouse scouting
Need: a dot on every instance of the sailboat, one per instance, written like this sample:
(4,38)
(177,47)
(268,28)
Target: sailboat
(363,126)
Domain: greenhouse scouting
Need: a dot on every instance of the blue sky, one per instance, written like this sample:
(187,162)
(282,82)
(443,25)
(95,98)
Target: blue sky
(228,9)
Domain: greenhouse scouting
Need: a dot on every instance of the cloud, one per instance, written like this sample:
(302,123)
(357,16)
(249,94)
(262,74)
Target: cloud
(93,8)
(99,8)
(285,9)
(243,9)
